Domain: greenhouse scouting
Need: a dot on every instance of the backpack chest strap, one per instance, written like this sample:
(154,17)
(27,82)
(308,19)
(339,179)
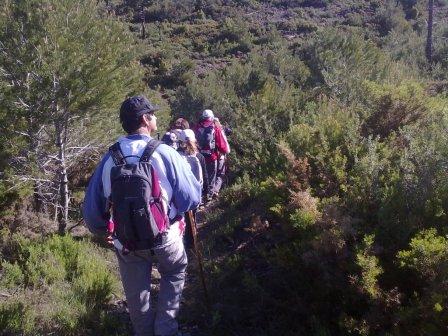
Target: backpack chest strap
(149,150)
(116,154)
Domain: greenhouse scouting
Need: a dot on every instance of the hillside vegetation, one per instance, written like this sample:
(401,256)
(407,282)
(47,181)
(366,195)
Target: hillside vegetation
(334,221)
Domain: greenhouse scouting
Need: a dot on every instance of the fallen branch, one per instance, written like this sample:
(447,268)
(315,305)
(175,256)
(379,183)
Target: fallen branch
(76,225)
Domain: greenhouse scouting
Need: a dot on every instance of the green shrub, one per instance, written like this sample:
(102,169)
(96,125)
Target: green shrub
(12,275)
(341,61)
(71,283)
(302,220)
(94,288)
(42,267)
(428,255)
(390,18)
(68,251)
(241,190)
(369,265)
(15,319)
(327,137)
(67,315)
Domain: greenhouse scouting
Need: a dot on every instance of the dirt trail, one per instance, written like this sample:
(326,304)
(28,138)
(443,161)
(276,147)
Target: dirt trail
(194,315)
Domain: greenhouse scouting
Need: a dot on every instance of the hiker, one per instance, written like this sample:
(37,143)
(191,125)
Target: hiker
(136,199)
(188,149)
(222,158)
(170,138)
(181,124)
(212,144)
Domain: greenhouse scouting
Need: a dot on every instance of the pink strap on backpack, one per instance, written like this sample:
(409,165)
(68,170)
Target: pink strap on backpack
(110,226)
(156,207)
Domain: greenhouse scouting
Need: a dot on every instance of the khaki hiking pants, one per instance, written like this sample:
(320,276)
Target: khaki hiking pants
(135,270)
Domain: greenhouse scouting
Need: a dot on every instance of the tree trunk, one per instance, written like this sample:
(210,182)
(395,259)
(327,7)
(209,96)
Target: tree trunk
(64,196)
(429,47)
(142,18)
(198,6)
(34,144)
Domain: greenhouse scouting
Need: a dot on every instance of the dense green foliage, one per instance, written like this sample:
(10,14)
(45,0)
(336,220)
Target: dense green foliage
(335,220)
(56,285)
(340,147)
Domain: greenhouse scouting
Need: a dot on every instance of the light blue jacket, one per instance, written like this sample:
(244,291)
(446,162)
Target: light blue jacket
(180,189)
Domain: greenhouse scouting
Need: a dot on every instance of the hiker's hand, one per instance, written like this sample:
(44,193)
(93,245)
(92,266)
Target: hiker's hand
(110,240)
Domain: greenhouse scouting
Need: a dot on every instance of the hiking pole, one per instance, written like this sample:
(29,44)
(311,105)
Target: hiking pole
(198,255)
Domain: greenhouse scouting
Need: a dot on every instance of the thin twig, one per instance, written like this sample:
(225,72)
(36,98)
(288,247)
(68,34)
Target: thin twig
(77,224)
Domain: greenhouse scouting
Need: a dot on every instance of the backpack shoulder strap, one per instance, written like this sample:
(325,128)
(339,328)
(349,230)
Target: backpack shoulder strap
(117,154)
(149,150)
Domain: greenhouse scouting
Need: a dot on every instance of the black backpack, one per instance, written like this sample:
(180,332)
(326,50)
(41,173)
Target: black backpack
(138,213)
(206,140)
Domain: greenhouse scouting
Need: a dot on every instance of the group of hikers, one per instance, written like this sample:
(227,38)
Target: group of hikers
(205,146)
(137,199)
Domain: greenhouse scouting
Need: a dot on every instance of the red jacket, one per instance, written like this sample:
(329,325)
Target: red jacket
(222,146)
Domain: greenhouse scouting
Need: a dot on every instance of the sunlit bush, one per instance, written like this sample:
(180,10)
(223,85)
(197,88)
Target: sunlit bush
(68,281)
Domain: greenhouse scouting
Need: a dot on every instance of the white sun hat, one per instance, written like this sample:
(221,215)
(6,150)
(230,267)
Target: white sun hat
(187,134)
(207,114)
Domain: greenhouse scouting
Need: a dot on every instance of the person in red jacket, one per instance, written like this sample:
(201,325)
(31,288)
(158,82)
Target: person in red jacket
(222,159)
(212,144)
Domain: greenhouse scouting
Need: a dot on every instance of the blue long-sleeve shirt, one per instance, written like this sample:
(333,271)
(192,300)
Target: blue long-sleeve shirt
(180,189)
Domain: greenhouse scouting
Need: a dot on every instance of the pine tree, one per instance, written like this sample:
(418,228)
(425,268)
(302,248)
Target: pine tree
(63,64)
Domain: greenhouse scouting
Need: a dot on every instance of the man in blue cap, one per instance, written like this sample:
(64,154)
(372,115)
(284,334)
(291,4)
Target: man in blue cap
(179,192)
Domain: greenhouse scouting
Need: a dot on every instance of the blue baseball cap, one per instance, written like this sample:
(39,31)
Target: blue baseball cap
(134,107)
